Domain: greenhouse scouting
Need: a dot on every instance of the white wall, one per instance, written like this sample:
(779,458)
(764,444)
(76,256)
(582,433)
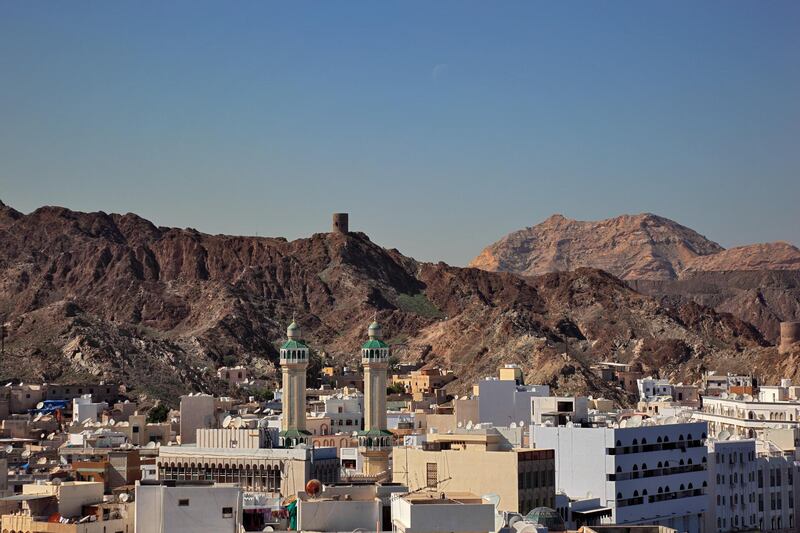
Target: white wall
(158,509)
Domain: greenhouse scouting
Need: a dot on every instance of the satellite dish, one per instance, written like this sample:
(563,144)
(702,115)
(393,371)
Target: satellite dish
(150,445)
(521,423)
(460,425)
(9,448)
(494,499)
(723,395)
(40,405)
(57,481)
(25,454)
(724,435)
(124,497)
(238,423)
(42,436)
(513,425)
(41,461)
(112,422)
(623,424)
(226,422)
(257,411)
(51,436)
(671,420)
(470,425)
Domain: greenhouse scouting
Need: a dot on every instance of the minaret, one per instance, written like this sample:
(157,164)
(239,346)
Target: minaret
(294,362)
(375,442)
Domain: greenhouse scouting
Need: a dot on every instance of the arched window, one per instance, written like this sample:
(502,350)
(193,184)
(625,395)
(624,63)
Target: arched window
(705,483)
(689,461)
(683,487)
(635,468)
(636,494)
(680,463)
(619,495)
(644,441)
(658,439)
(619,443)
(680,437)
(644,492)
(660,464)
(704,460)
(644,466)
(660,490)
(619,469)
(635,442)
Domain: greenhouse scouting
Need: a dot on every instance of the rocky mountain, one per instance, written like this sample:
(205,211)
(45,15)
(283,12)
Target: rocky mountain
(108,296)
(641,246)
(758,283)
(753,257)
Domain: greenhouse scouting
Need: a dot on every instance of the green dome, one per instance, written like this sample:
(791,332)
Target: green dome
(547,517)
(294,345)
(374,343)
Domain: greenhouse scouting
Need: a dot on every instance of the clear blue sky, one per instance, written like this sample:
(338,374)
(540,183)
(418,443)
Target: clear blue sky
(440,126)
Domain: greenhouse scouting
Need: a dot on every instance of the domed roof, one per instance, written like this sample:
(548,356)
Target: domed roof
(547,517)
(374,330)
(293,331)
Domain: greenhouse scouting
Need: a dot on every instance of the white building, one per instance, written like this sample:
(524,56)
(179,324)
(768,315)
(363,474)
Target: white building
(434,512)
(83,408)
(653,474)
(197,412)
(187,507)
(732,478)
(746,417)
(754,486)
(346,411)
(650,388)
(502,401)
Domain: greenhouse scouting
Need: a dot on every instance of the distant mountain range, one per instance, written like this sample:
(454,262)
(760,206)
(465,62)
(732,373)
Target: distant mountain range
(759,283)
(115,297)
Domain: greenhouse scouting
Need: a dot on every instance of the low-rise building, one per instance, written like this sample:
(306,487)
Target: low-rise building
(278,471)
(187,507)
(479,461)
(442,512)
(347,507)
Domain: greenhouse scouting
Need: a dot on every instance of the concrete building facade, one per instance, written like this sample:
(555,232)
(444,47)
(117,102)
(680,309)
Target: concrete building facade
(644,475)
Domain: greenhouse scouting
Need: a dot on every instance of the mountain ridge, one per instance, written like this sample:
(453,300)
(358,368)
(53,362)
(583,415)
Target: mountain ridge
(110,296)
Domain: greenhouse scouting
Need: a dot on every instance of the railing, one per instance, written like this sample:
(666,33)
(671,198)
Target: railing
(655,472)
(660,446)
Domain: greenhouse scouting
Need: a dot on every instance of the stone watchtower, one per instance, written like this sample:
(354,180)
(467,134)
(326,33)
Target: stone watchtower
(294,363)
(375,442)
(790,336)
(340,223)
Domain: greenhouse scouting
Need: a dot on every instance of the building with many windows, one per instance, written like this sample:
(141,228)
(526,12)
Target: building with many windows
(649,474)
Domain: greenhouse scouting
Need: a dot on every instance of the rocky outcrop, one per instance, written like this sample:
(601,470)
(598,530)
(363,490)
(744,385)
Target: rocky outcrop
(642,246)
(753,257)
(115,297)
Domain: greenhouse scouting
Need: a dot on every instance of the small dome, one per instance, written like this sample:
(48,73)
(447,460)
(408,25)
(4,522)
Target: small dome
(375,331)
(293,331)
(547,517)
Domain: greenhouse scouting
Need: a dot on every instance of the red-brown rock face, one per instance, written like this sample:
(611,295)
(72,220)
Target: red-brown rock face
(113,296)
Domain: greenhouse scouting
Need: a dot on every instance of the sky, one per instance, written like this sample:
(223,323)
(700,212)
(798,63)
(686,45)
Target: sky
(439,126)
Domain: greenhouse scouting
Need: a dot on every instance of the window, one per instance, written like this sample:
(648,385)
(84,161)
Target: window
(431,475)
(227,512)
(183,503)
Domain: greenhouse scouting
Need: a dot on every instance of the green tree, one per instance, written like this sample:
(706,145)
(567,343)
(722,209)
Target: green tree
(158,414)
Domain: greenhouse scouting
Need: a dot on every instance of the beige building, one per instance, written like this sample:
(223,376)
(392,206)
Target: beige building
(75,500)
(279,471)
(197,411)
(475,461)
(234,376)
